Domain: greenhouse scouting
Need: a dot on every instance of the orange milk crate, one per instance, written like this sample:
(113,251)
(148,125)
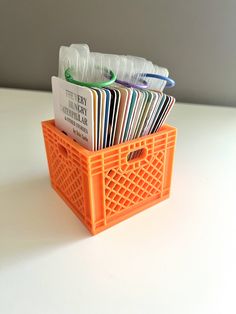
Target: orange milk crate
(105,187)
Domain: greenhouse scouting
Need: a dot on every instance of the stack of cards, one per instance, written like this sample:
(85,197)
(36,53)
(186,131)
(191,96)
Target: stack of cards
(101,117)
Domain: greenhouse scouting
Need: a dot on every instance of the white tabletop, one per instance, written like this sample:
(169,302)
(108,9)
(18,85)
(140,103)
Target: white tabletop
(177,257)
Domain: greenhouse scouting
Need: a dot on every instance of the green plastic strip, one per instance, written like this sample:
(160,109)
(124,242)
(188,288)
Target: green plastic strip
(70,79)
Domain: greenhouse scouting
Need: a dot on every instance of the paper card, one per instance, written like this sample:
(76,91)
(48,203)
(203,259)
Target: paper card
(131,124)
(124,96)
(153,107)
(132,105)
(142,113)
(155,113)
(73,108)
(111,117)
(167,111)
(137,110)
(102,118)
(161,108)
(97,120)
(116,110)
(147,114)
(162,113)
(95,113)
(106,117)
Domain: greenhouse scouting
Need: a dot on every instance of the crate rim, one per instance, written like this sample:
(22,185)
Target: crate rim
(166,128)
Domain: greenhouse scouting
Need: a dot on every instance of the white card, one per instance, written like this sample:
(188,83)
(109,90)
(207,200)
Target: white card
(137,113)
(73,108)
(126,94)
(102,118)
(152,109)
(131,127)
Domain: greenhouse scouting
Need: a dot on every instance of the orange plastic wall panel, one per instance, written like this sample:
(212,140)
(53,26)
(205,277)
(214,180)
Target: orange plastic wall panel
(105,187)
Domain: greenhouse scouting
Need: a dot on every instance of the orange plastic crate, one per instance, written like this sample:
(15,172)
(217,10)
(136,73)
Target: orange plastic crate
(104,187)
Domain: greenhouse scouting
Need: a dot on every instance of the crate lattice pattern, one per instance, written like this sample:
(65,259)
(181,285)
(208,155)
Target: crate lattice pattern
(124,190)
(65,178)
(105,187)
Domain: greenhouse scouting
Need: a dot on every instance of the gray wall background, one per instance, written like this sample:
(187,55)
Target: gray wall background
(194,39)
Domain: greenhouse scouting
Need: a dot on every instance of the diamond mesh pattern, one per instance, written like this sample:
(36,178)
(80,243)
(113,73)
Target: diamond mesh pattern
(104,187)
(123,190)
(68,180)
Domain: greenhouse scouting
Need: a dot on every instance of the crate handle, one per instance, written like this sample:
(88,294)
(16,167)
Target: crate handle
(62,150)
(136,154)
